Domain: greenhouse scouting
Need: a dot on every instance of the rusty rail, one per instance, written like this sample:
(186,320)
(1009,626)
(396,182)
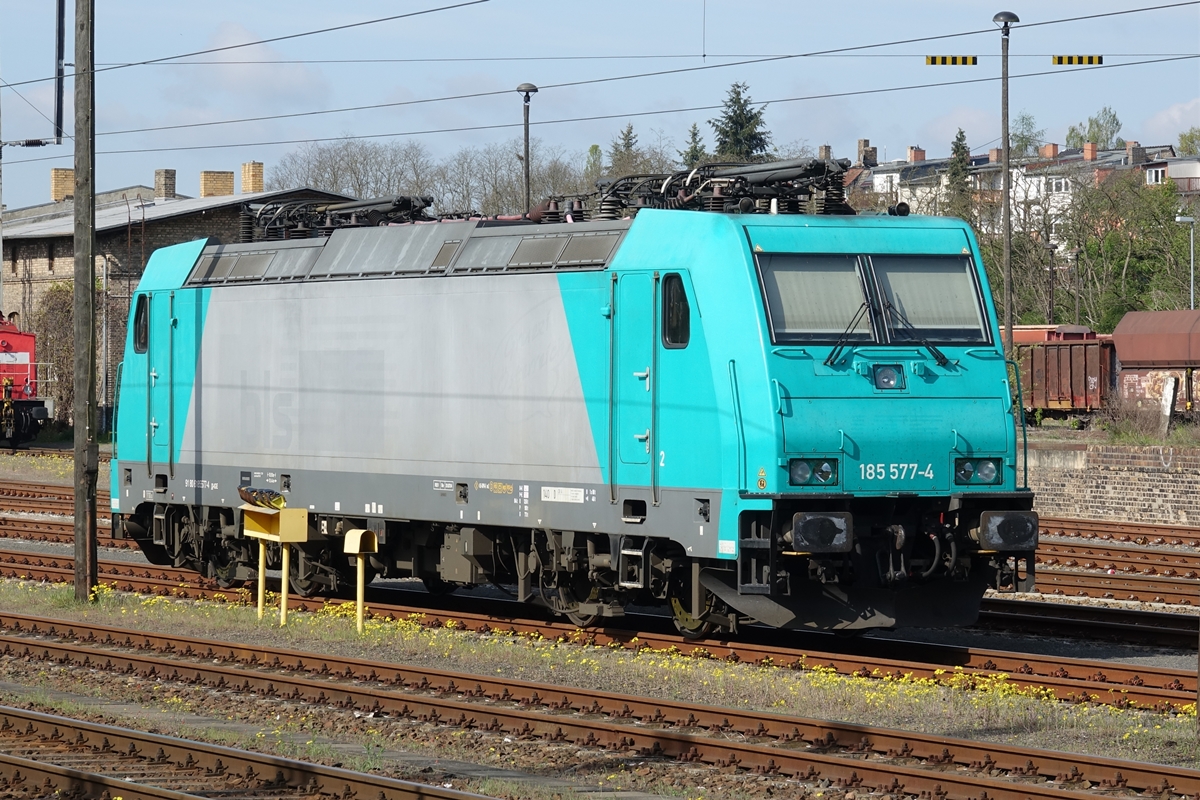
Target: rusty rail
(35,745)
(846,755)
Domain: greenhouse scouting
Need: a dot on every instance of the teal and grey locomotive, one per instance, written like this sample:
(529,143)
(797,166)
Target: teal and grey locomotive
(701,398)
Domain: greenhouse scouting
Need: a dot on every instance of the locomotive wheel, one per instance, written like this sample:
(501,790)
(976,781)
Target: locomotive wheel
(223,566)
(574,592)
(679,596)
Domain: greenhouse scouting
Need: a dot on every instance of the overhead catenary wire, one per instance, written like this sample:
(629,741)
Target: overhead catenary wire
(703,67)
(848,50)
(271,40)
(622,115)
(631,57)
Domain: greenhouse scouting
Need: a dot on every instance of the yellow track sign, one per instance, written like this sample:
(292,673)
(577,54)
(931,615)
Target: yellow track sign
(1065,60)
(951,61)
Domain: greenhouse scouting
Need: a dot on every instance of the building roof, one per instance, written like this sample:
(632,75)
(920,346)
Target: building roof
(57,220)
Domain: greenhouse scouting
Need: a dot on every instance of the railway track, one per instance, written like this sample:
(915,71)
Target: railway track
(1124,558)
(44,755)
(1077,680)
(844,755)
(1132,532)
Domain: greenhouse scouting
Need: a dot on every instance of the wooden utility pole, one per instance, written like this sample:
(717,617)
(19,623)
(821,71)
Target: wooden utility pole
(84,409)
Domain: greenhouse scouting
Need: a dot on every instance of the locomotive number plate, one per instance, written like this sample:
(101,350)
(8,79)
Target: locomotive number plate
(894,472)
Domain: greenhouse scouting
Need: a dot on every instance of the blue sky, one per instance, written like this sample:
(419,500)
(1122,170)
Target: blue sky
(1154,101)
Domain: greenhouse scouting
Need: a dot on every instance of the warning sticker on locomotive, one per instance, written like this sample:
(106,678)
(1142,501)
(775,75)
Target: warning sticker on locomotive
(561,494)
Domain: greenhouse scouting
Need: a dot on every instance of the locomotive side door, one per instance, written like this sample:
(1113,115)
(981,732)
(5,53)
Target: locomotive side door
(635,377)
(159,363)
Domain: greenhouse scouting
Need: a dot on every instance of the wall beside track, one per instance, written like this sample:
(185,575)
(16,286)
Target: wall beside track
(1130,484)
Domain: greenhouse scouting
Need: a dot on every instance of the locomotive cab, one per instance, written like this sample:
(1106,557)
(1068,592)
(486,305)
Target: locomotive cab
(891,494)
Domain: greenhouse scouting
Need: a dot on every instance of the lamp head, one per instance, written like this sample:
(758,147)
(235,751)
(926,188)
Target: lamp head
(527,88)
(1004,19)
(1186,220)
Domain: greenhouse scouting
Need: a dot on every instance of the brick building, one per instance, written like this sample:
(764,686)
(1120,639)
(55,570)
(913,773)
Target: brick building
(131,223)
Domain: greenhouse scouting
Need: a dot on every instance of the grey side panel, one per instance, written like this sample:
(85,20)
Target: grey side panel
(472,377)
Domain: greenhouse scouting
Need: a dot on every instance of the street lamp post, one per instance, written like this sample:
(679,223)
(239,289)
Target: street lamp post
(1050,300)
(1005,19)
(1192,248)
(527,89)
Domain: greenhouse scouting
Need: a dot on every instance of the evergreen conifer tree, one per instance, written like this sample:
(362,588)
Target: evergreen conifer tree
(624,157)
(695,152)
(740,132)
(958,187)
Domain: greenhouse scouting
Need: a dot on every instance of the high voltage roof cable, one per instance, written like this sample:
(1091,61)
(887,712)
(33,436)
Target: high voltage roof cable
(273,39)
(625,115)
(755,60)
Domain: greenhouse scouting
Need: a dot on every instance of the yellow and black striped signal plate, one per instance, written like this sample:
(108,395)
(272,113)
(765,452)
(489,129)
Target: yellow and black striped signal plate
(1060,60)
(951,61)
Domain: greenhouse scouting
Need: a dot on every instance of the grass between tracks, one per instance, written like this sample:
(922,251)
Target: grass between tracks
(955,704)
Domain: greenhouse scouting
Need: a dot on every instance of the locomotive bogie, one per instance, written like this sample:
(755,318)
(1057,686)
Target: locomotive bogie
(803,421)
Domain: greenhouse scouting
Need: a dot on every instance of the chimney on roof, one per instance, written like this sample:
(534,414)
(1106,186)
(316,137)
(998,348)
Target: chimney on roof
(867,156)
(215,184)
(1048,150)
(1135,153)
(825,152)
(995,155)
(164,184)
(62,184)
(915,154)
(1089,151)
(252,177)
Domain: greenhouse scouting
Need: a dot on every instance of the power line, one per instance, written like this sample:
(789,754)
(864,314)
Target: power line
(36,110)
(632,57)
(626,115)
(749,61)
(272,40)
(594,81)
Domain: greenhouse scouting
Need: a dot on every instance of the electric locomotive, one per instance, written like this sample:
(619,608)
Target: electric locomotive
(725,393)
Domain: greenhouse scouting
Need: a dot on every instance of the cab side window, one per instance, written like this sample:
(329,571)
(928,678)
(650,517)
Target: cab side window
(141,324)
(677,322)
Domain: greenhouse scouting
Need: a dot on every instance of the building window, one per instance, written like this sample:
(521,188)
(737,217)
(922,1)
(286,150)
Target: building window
(1057,185)
(1156,175)
(50,256)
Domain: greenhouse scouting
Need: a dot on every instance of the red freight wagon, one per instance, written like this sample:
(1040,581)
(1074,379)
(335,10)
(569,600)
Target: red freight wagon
(1154,346)
(1064,368)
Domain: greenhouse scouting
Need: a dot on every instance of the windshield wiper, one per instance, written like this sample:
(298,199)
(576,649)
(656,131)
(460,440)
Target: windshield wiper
(938,355)
(841,340)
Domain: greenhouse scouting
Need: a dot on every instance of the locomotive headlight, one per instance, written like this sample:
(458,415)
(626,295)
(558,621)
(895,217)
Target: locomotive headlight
(889,376)
(976,471)
(812,471)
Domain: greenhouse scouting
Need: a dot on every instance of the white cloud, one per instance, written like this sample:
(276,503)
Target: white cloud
(1164,127)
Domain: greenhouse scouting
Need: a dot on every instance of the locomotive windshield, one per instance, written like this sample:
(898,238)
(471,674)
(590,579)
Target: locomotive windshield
(922,298)
(930,297)
(814,298)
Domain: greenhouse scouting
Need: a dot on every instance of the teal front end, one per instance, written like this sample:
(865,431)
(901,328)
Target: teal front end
(841,385)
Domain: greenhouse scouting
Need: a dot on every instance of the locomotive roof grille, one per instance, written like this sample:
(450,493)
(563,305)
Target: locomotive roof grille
(455,248)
